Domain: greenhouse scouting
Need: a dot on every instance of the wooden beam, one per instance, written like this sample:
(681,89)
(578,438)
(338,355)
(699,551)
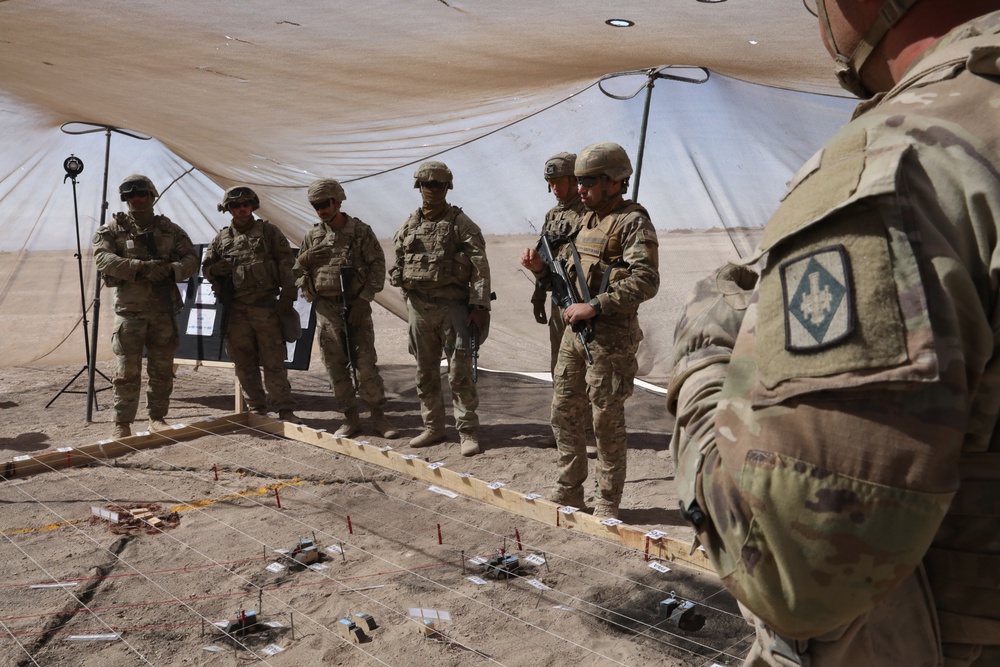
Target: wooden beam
(518,502)
(71,457)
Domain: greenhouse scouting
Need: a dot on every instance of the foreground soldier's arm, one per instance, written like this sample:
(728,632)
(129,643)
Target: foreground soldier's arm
(823,454)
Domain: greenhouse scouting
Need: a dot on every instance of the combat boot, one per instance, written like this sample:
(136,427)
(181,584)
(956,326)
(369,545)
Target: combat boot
(157,424)
(427,438)
(591,451)
(605,510)
(351,425)
(381,424)
(566,496)
(122,430)
(289,416)
(470,445)
(259,410)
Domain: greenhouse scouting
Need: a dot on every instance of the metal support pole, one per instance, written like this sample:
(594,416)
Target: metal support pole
(642,137)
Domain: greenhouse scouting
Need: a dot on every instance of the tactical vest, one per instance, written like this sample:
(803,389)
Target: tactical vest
(430,255)
(130,243)
(255,269)
(562,222)
(338,253)
(600,248)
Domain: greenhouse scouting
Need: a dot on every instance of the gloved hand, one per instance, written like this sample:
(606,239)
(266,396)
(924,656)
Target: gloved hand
(358,311)
(316,255)
(286,303)
(479,317)
(221,269)
(706,332)
(156,270)
(538,298)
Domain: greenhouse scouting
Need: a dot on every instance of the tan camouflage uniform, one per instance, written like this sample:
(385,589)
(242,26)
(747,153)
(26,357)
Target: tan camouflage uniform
(145,312)
(839,448)
(561,221)
(442,269)
(623,243)
(324,252)
(261,261)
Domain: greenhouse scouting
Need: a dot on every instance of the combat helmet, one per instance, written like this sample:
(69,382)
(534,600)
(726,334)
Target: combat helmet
(607,158)
(237,193)
(326,188)
(559,165)
(137,182)
(433,171)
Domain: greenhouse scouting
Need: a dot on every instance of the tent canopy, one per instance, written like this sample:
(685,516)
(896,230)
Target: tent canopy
(275,95)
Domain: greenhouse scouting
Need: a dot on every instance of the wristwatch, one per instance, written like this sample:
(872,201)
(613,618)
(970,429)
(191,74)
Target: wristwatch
(595,304)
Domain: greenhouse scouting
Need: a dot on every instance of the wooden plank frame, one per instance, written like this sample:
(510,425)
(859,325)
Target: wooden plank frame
(659,547)
(71,457)
(656,546)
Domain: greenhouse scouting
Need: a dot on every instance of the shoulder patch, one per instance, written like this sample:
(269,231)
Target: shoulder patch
(829,304)
(817,299)
(647,236)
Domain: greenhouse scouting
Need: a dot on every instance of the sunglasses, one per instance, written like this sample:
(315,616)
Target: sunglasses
(135,194)
(320,205)
(558,180)
(434,185)
(240,204)
(589,181)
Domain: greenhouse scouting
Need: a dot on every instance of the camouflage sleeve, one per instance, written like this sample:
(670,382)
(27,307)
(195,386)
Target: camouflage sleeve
(638,279)
(107,259)
(809,461)
(472,243)
(301,269)
(183,257)
(284,259)
(396,270)
(372,264)
(301,266)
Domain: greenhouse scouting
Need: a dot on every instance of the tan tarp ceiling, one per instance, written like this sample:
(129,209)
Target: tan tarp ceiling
(277,94)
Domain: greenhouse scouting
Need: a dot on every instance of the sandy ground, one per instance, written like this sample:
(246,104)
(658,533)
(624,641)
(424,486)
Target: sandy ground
(590,602)
(161,590)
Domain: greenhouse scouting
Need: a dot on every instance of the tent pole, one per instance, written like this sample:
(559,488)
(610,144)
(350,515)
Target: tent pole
(96,315)
(642,136)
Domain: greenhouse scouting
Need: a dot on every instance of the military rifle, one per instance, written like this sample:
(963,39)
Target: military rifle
(474,344)
(564,292)
(225,299)
(345,281)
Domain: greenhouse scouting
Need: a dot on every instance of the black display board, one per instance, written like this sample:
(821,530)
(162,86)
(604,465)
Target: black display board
(200,324)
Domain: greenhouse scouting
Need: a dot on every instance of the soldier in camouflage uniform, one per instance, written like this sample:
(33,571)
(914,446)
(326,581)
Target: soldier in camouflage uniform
(143,256)
(837,440)
(442,270)
(619,257)
(256,257)
(561,223)
(340,244)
